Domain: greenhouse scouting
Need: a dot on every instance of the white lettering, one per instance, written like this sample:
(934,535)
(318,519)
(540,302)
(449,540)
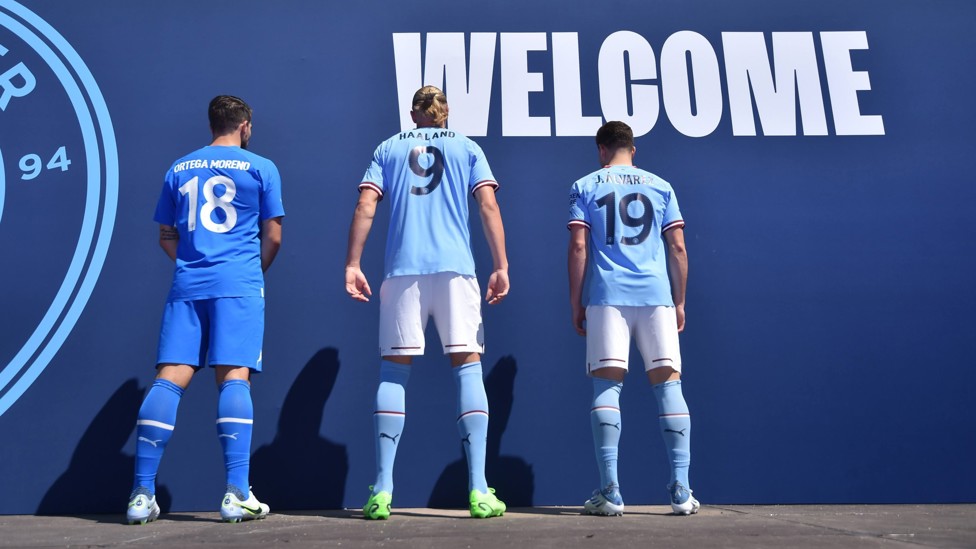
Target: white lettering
(469,88)
(409,73)
(705,87)
(843,83)
(768,85)
(642,114)
(518,82)
(566,87)
(229,165)
(747,67)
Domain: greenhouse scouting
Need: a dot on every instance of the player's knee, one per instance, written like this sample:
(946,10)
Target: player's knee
(457,359)
(180,374)
(610,372)
(227,373)
(662,375)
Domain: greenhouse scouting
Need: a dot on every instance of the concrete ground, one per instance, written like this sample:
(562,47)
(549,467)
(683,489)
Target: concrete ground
(782,526)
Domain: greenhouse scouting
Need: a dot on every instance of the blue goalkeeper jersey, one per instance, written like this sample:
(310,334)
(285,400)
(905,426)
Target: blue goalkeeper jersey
(627,210)
(217,197)
(427,174)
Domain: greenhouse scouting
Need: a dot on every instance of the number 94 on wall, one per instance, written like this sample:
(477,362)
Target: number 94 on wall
(32,165)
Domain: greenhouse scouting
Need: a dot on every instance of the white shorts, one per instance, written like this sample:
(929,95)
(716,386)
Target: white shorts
(609,329)
(406,302)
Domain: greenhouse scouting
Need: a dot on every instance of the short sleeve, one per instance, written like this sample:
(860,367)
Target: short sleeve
(480,170)
(672,214)
(373,178)
(578,214)
(271,204)
(166,206)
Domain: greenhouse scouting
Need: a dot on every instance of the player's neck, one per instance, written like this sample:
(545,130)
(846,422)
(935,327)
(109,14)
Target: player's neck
(229,140)
(431,125)
(618,157)
(620,160)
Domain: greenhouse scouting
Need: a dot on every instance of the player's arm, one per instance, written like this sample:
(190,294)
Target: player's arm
(362,220)
(169,239)
(576,264)
(270,241)
(677,271)
(491,222)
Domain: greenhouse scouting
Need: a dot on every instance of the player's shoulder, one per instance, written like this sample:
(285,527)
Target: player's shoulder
(653,180)
(469,143)
(590,179)
(257,160)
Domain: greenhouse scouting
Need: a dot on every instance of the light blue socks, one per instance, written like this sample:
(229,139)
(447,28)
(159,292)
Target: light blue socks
(675,424)
(388,420)
(605,421)
(473,421)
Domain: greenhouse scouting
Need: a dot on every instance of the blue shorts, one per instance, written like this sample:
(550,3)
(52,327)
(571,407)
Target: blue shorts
(224,331)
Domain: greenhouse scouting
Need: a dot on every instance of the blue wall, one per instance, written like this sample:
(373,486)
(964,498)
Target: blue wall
(829,349)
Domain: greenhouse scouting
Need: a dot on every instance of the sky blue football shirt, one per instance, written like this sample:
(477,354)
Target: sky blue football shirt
(627,210)
(427,174)
(217,197)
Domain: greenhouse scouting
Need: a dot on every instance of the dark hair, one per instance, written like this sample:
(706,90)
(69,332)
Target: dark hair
(615,135)
(226,114)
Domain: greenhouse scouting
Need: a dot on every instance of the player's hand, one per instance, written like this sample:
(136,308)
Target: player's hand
(497,286)
(579,317)
(679,311)
(356,285)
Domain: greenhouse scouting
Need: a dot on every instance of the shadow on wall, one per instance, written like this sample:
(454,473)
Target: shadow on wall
(510,475)
(99,461)
(299,457)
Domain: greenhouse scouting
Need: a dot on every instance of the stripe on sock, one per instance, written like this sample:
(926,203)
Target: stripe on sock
(466,414)
(605,408)
(235,420)
(674,415)
(151,423)
(388,413)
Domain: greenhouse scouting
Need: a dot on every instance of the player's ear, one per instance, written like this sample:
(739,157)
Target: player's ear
(413,116)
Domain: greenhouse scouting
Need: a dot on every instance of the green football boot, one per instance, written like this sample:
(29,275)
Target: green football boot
(378,505)
(486,505)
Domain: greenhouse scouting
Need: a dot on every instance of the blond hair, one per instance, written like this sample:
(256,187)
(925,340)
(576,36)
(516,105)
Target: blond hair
(431,103)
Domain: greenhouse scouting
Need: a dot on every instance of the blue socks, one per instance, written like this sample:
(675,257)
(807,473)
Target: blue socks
(154,427)
(235,422)
(388,420)
(605,421)
(473,421)
(675,424)
(157,418)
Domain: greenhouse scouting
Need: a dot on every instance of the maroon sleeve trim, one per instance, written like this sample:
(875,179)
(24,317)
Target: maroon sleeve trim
(480,184)
(371,186)
(673,225)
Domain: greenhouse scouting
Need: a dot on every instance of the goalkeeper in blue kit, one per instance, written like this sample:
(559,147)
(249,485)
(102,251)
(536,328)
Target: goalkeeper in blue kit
(219,216)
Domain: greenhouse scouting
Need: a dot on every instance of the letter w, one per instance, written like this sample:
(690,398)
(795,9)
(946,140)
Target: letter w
(446,66)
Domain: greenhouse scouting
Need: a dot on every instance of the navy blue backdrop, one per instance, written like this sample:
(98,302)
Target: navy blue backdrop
(829,347)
